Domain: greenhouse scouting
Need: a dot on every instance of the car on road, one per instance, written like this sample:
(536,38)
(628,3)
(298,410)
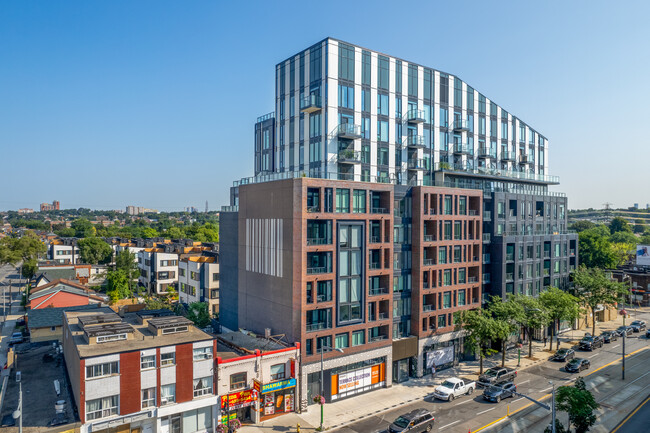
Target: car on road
(496,375)
(638,326)
(419,420)
(576,365)
(499,391)
(591,342)
(564,355)
(624,329)
(452,388)
(609,336)
(16,338)
(647,333)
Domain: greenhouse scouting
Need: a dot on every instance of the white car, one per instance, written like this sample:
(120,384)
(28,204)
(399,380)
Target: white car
(452,388)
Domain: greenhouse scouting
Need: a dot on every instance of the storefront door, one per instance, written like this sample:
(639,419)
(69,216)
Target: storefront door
(401,370)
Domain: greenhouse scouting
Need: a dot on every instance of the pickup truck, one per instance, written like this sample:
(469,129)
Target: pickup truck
(452,388)
(496,375)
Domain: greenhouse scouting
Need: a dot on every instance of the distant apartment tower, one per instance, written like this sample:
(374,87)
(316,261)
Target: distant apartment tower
(139,210)
(25,210)
(48,207)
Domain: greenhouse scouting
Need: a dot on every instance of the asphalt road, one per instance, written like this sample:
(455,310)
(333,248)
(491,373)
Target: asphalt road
(637,421)
(472,412)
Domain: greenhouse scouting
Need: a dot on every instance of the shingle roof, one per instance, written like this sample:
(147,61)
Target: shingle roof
(48,317)
(55,274)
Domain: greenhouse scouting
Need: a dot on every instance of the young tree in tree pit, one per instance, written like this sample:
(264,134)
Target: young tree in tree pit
(561,306)
(481,330)
(579,403)
(507,313)
(531,316)
(594,287)
(94,251)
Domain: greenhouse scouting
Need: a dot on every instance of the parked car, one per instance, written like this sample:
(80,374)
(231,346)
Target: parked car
(576,365)
(638,326)
(624,329)
(16,338)
(20,321)
(452,388)
(647,333)
(564,355)
(591,343)
(496,375)
(500,391)
(609,336)
(419,420)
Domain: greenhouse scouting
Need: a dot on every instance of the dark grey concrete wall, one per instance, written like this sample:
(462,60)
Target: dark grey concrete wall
(229,269)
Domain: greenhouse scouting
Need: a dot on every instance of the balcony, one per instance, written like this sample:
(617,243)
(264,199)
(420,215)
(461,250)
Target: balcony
(429,238)
(507,156)
(313,209)
(310,103)
(484,152)
(463,149)
(510,276)
(374,265)
(312,327)
(349,156)
(381,210)
(486,238)
(318,241)
(377,338)
(472,280)
(486,278)
(318,270)
(427,308)
(461,126)
(572,252)
(375,239)
(415,116)
(414,141)
(383,316)
(349,131)
(525,159)
(378,291)
(416,164)
(472,212)
(428,262)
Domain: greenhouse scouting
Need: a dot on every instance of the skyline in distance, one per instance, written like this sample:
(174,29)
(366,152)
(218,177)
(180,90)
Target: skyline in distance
(153,104)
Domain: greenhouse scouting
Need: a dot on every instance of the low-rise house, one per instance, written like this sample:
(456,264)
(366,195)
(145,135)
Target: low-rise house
(46,324)
(63,251)
(63,293)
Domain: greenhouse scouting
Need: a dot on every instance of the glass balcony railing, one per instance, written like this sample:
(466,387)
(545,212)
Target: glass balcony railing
(507,156)
(510,257)
(428,262)
(416,164)
(525,159)
(317,270)
(348,131)
(510,276)
(310,103)
(461,125)
(311,327)
(414,141)
(318,241)
(427,308)
(428,238)
(350,156)
(374,265)
(415,116)
(484,152)
(496,172)
(376,291)
(375,239)
(381,210)
(486,258)
(463,149)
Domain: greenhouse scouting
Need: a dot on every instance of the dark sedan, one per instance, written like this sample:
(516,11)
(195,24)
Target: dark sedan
(624,329)
(576,365)
(498,392)
(609,336)
(638,325)
(591,343)
(564,355)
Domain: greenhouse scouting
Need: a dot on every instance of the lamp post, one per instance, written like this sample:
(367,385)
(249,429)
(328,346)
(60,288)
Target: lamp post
(623,313)
(322,349)
(552,405)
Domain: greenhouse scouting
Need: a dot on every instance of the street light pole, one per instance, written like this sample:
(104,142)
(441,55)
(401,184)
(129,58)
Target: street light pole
(553,406)
(623,313)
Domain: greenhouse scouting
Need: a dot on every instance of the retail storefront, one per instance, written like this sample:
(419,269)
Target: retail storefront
(277,397)
(239,405)
(444,351)
(350,380)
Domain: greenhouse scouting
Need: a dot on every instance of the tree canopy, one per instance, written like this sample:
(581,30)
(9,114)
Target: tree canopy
(560,306)
(579,403)
(94,251)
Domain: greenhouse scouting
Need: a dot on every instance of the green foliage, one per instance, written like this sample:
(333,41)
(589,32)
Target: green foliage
(94,251)
(506,313)
(149,232)
(158,303)
(559,427)
(623,237)
(579,403)
(199,313)
(83,228)
(118,285)
(594,287)
(26,248)
(619,224)
(65,232)
(29,223)
(531,315)
(596,250)
(29,268)
(174,233)
(560,305)
(580,226)
(482,328)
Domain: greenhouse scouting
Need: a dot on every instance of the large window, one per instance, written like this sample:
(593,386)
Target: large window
(147,361)
(101,370)
(342,200)
(238,381)
(202,386)
(382,105)
(167,359)
(342,341)
(359,201)
(102,407)
(195,420)
(202,353)
(350,273)
(413,80)
(168,394)
(278,371)
(383,72)
(382,130)
(346,96)
(358,337)
(346,62)
(148,398)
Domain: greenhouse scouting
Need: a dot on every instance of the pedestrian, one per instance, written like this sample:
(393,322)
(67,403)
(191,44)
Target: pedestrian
(433,370)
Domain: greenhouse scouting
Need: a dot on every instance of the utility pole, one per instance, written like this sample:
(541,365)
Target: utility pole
(553,406)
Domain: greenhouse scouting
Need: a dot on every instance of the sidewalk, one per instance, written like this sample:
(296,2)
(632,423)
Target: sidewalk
(8,327)
(341,413)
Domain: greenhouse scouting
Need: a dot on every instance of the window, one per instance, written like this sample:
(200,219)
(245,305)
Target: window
(358,338)
(342,341)
(102,407)
(365,67)
(309,346)
(342,200)
(107,338)
(382,130)
(215,276)
(346,97)
(383,72)
(449,209)
(147,361)
(458,230)
(462,206)
(193,421)
(169,263)
(442,321)
(194,275)
(100,370)
(238,380)
(278,371)
(398,76)
(148,398)
(462,276)
(446,280)
(382,105)
(346,62)
(181,272)
(168,394)
(202,353)
(167,359)
(359,201)
(202,386)
(350,272)
(413,80)
(442,255)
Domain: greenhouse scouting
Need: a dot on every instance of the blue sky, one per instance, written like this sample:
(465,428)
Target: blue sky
(152,103)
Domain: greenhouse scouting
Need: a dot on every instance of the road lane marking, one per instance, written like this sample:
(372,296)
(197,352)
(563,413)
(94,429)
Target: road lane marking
(547,389)
(525,381)
(464,401)
(614,347)
(592,355)
(515,401)
(487,410)
(630,415)
(450,424)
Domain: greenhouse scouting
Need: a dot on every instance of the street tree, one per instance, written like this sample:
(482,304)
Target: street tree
(481,329)
(531,315)
(594,288)
(560,306)
(579,403)
(29,268)
(199,313)
(94,251)
(505,312)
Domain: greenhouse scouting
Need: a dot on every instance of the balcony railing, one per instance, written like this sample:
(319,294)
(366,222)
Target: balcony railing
(572,253)
(317,270)
(472,212)
(525,159)
(472,280)
(428,262)
(486,258)
(377,291)
(414,141)
(510,257)
(432,211)
(349,131)
(310,103)
(486,278)
(415,116)
(375,239)
(377,338)
(484,152)
(427,307)
(311,327)
(381,210)
(428,238)
(383,316)
(510,276)
(350,156)
(463,149)
(486,237)
(375,265)
(507,156)
(461,125)
(318,241)
(416,164)
(313,209)
(487,215)
(496,172)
